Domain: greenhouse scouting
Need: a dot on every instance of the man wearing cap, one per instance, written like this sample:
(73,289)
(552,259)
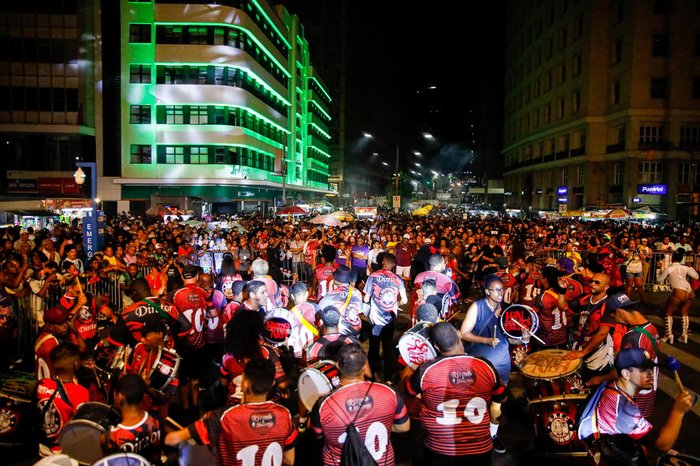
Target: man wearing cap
(404,252)
(331,340)
(616,414)
(640,334)
(446,288)
(347,299)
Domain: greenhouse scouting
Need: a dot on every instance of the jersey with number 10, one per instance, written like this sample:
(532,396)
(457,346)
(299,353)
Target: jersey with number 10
(456,392)
(251,434)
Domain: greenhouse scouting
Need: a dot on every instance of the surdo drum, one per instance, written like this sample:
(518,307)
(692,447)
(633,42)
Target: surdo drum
(555,393)
(164,369)
(415,346)
(318,380)
(80,438)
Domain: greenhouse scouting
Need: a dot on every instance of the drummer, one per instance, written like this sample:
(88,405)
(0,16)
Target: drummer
(347,300)
(331,340)
(59,397)
(142,360)
(486,339)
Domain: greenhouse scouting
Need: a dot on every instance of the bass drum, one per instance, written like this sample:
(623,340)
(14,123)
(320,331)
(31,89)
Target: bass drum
(165,369)
(123,459)
(318,380)
(415,346)
(80,438)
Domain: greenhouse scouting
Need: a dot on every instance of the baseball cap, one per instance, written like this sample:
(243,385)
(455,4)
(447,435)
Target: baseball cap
(633,357)
(55,315)
(618,301)
(407,236)
(566,264)
(342,274)
(189,271)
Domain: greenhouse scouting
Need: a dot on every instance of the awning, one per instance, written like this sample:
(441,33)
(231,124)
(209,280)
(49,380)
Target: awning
(32,213)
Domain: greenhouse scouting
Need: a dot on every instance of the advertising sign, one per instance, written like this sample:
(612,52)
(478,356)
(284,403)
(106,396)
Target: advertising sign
(562,190)
(366,211)
(653,189)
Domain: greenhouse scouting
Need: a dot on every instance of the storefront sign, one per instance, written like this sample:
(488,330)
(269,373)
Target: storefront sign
(22,185)
(636,200)
(562,191)
(563,200)
(652,189)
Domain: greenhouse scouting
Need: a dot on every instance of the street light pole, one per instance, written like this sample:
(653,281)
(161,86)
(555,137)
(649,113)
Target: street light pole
(91,231)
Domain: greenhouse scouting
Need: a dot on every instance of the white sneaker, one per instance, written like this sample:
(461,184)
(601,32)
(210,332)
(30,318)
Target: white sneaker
(683,338)
(668,339)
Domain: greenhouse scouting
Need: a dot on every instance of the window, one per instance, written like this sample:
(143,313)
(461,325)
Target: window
(690,137)
(561,74)
(174,154)
(198,35)
(174,115)
(565,176)
(547,113)
(651,136)
(220,155)
(575,101)
(140,33)
(199,115)
(619,12)
(580,175)
(578,27)
(616,92)
(616,52)
(562,39)
(684,173)
(622,135)
(658,88)
(660,45)
(576,65)
(199,155)
(547,80)
(219,36)
(140,74)
(140,154)
(140,114)
(561,108)
(650,172)
(618,174)
(696,87)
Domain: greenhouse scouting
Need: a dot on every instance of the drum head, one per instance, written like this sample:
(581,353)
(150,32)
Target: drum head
(518,314)
(80,439)
(549,364)
(124,459)
(415,347)
(191,454)
(313,384)
(57,460)
(278,326)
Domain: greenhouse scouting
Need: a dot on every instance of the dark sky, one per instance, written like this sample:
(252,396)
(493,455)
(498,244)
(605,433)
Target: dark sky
(396,48)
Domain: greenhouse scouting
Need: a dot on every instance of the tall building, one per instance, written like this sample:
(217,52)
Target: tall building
(219,102)
(602,104)
(50,70)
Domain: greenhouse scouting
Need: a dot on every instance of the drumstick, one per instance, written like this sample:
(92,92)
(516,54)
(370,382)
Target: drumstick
(532,334)
(174,423)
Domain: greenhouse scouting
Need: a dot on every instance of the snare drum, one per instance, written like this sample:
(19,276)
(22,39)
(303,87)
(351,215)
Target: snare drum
(80,438)
(16,391)
(278,326)
(415,346)
(164,369)
(318,380)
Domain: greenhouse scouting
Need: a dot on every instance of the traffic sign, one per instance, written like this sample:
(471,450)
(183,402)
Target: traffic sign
(562,208)
(397,202)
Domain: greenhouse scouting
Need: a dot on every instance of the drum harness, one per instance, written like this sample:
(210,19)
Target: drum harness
(60,389)
(304,322)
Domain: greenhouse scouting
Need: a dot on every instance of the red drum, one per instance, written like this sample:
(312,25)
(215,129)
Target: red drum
(415,346)
(555,393)
(518,352)
(16,392)
(80,438)
(573,289)
(164,370)
(510,318)
(555,426)
(317,380)
(278,326)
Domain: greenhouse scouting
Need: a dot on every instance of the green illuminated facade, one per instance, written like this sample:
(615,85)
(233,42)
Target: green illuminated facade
(220,101)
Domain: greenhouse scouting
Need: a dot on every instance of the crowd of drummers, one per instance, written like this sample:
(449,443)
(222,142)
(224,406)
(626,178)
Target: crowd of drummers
(244,337)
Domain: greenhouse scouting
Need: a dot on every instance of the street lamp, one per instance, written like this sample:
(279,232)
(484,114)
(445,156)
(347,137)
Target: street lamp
(91,231)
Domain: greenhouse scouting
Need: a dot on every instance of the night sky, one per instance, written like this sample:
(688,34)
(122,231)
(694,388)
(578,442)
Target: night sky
(395,49)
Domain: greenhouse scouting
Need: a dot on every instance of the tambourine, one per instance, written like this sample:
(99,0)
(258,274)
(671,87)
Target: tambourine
(518,314)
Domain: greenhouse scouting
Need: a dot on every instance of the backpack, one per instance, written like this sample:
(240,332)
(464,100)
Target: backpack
(355,452)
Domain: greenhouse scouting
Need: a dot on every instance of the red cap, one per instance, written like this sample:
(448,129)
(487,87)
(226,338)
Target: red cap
(55,315)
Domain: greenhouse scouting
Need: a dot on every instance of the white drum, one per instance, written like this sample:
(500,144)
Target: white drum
(415,346)
(318,380)
(123,459)
(278,326)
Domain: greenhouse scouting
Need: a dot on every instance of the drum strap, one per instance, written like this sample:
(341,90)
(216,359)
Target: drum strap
(59,389)
(645,332)
(347,300)
(304,322)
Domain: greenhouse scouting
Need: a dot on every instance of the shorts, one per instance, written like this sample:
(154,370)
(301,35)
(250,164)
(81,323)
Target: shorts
(634,275)
(403,271)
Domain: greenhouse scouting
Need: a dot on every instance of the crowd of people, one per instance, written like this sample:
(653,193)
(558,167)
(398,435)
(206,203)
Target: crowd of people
(245,336)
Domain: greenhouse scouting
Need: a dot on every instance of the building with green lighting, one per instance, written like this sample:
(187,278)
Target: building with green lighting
(602,105)
(218,103)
